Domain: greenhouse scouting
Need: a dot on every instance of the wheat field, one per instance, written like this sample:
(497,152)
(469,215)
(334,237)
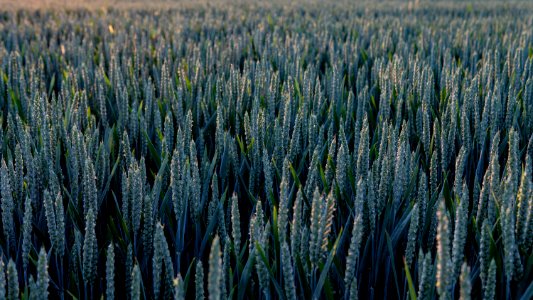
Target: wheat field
(266,150)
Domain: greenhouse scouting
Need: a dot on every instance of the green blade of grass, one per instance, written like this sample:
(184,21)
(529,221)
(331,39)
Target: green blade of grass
(412,292)
(262,256)
(391,254)
(324,271)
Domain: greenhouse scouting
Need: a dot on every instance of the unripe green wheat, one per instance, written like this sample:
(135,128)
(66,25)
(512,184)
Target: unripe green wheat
(179,292)
(460,231)
(427,278)
(199,281)
(110,272)
(90,251)
(42,276)
(284,194)
(195,186)
(12,281)
(353,252)
(288,271)
(466,284)
(489,290)
(215,271)
(524,193)
(444,270)
(315,227)
(136,283)
(412,235)
(297,223)
(8,207)
(236,223)
(26,232)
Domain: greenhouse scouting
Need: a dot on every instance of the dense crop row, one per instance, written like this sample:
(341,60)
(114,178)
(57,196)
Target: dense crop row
(267,152)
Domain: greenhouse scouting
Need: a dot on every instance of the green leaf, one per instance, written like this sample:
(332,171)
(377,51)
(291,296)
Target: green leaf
(52,83)
(278,288)
(391,254)
(528,294)
(151,148)
(245,277)
(325,269)
(71,295)
(212,224)
(108,183)
(188,275)
(302,276)
(412,292)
